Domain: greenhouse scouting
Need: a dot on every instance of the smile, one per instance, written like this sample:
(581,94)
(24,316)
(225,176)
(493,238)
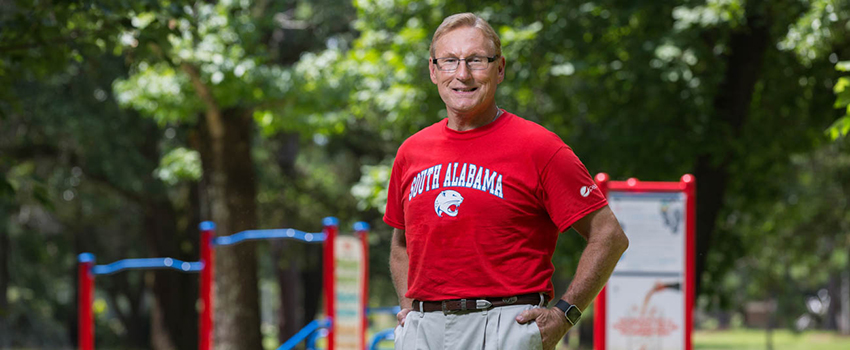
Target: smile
(464,89)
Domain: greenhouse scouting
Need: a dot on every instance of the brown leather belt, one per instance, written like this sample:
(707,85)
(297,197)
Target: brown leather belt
(478,304)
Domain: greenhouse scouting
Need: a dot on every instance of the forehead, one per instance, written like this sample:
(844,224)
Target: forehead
(463,41)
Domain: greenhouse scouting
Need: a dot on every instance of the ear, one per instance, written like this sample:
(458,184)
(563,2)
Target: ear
(501,71)
(433,69)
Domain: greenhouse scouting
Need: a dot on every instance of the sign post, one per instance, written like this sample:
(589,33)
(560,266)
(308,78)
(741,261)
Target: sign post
(648,301)
(85,298)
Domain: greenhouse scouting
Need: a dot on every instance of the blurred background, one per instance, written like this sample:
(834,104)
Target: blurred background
(123,124)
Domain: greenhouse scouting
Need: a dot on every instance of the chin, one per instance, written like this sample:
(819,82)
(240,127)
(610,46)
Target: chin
(466,107)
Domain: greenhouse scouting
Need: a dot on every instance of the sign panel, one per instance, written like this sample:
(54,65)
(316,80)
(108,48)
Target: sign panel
(349,293)
(645,301)
(648,301)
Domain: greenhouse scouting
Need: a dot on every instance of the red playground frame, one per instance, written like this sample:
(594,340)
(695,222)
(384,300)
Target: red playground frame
(687,186)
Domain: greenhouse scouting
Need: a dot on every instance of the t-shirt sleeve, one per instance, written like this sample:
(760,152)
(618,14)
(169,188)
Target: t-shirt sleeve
(394,213)
(569,192)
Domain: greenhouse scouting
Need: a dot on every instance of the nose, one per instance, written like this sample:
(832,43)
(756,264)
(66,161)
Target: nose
(462,73)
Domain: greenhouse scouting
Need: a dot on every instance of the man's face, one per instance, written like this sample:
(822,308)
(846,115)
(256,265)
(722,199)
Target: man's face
(464,90)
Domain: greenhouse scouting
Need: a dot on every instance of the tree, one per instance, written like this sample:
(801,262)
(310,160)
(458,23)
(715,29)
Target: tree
(63,147)
(220,67)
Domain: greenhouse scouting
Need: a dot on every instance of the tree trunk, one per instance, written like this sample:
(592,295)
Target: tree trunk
(174,319)
(298,265)
(312,281)
(231,190)
(286,270)
(844,319)
(771,324)
(830,317)
(286,254)
(4,277)
(585,339)
(133,318)
(744,63)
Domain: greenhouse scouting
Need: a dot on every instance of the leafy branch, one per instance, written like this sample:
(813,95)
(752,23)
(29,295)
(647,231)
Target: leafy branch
(841,127)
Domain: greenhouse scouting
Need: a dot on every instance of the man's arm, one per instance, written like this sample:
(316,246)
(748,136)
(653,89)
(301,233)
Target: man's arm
(606,242)
(399,262)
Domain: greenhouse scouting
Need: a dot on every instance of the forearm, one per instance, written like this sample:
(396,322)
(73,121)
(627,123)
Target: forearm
(594,268)
(606,242)
(398,267)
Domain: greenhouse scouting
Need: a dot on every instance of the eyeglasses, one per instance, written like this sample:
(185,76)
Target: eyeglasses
(450,64)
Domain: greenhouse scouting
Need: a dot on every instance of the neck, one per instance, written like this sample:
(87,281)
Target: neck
(472,120)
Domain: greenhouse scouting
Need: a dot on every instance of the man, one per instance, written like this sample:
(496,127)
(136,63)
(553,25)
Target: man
(477,202)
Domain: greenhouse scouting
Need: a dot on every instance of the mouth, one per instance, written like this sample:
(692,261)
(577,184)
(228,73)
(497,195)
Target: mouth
(464,90)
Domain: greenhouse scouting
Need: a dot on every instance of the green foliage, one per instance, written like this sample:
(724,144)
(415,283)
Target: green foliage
(841,127)
(817,31)
(371,190)
(43,38)
(160,92)
(180,164)
(811,212)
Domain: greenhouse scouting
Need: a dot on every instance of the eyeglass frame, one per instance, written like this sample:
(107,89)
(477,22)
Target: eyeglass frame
(490,59)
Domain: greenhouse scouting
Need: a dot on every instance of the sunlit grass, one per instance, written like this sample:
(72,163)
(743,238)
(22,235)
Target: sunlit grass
(754,339)
(738,339)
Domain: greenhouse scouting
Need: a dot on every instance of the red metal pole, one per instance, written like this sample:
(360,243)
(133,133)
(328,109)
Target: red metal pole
(599,306)
(690,185)
(361,229)
(206,323)
(85,298)
(331,226)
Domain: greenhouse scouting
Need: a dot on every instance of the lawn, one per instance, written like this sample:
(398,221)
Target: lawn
(745,339)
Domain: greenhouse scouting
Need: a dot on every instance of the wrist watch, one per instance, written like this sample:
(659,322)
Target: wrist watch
(572,312)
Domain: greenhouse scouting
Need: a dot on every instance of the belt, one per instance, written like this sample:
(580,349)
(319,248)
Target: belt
(478,304)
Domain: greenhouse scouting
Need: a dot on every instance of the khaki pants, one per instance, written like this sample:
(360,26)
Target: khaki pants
(494,329)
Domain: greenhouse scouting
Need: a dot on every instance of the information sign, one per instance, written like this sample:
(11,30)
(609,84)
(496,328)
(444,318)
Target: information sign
(648,301)
(349,293)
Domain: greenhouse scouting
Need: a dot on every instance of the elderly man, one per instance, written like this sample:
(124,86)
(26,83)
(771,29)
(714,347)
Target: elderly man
(477,201)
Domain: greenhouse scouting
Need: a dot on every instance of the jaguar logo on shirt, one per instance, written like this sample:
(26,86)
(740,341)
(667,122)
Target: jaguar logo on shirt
(448,202)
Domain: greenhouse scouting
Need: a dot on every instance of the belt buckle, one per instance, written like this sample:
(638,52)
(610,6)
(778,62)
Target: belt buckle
(480,304)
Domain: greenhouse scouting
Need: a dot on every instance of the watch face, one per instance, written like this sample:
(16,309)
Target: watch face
(573,314)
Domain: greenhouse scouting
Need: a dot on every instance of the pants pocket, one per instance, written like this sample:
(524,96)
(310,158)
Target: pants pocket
(536,337)
(397,335)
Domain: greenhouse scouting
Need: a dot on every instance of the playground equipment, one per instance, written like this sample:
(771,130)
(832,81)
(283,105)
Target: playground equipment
(345,280)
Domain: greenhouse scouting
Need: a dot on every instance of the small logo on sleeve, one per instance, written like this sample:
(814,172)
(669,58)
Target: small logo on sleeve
(447,202)
(585,190)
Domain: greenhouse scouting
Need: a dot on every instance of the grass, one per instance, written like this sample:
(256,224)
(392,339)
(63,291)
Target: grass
(756,339)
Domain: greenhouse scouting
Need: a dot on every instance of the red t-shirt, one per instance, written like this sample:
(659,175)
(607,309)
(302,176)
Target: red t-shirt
(482,209)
